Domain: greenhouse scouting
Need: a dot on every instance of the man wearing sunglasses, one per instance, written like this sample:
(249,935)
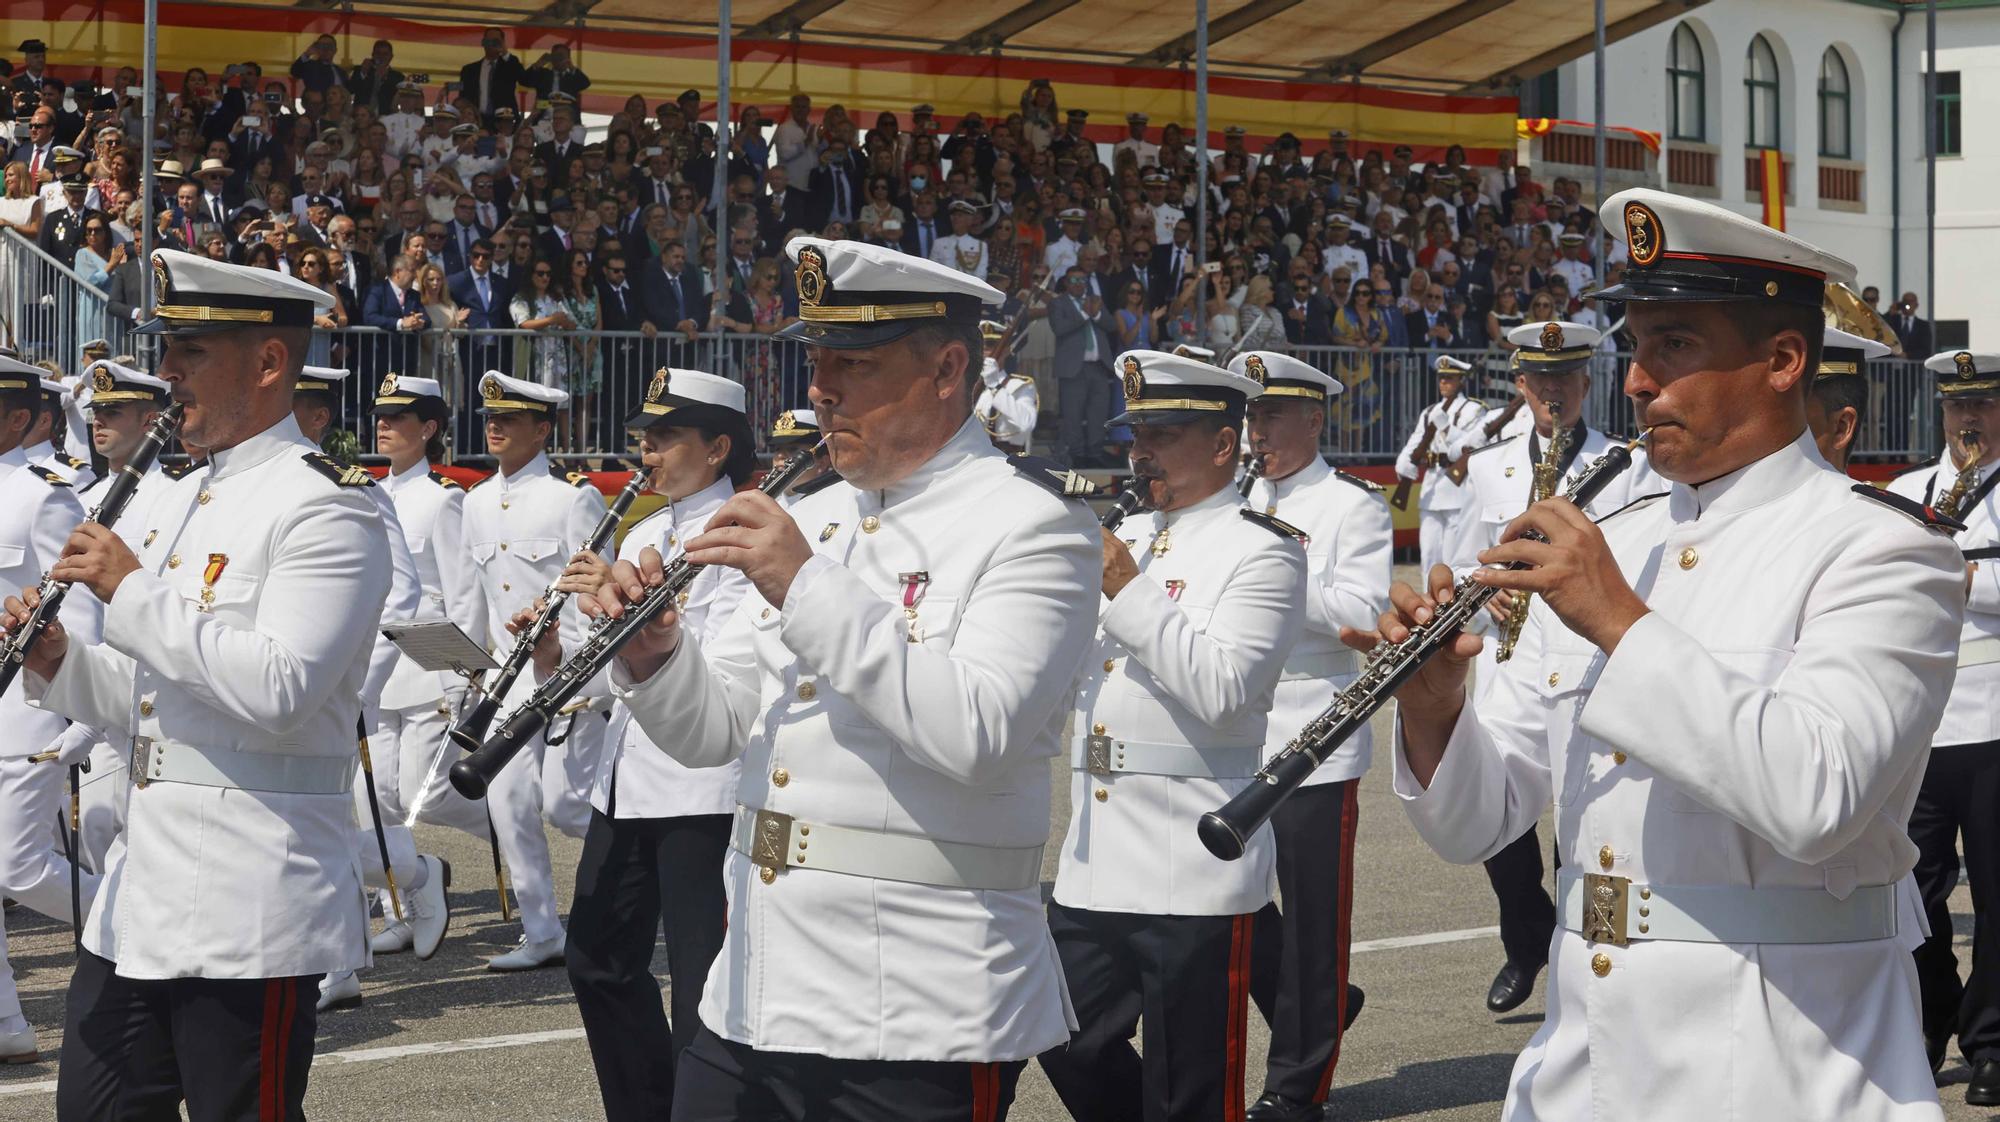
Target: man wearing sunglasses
(491,80)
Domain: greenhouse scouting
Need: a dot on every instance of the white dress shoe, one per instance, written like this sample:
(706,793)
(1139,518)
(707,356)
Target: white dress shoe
(395,938)
(529,956)
(427,909)
(339,991)
(17,1041)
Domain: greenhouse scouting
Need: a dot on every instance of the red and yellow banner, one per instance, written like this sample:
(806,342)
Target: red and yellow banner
(93,40)
(1527,128)
(1771,179)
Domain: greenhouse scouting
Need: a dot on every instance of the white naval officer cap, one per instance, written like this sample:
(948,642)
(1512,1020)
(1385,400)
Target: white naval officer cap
(1172,389)
(1965,373)
(500,394)
(795,426)
(1843,352)
(1449,367)
(1281,375)
(853,295)
(1687,250)
(18,375)
(1553,347)
(401,393)
(1189,350)
(690,397)
(198,296)
(53,389)
(319,379)
(111,383)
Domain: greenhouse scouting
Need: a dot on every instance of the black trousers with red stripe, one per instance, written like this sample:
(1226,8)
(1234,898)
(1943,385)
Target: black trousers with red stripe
(232,1050)
(1298,974)
(1527,914)
(723,1081)
(1187,979)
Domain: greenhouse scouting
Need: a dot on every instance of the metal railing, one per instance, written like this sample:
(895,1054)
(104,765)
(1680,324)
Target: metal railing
(49,311)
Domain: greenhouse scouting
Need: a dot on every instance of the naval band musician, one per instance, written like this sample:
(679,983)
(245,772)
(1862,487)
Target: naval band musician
(1729,692)
(235,643)
(895,686)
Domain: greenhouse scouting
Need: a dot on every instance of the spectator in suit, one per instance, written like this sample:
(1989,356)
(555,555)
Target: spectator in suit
(835,186)
(742,259)
(491,81)
(562,146)
(1912,329)
(923,229)
(39,150)
(1382,248)
(485,296)
(780,210)
(559,236)
(315,69)
(1431,327)
(393,306)
(1084,336)
(1904,414)
(1171,263)
(1308,316)
(672,300)
(619,308)
(374,82)
(460,234)
(552,74)
(127,291)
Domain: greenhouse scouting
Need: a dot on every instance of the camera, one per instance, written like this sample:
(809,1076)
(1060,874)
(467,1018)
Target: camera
(420,79)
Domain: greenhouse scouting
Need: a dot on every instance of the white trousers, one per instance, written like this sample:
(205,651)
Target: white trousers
(404,744)
(543,781)
(1434,530)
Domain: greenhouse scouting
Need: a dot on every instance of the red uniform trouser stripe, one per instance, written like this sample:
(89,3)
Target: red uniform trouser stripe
(1343,935)
(985,1092)
(281,1006)
(1239,1016)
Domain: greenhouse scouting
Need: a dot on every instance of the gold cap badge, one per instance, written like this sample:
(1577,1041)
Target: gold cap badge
(1966,367)
(811,277)
(388,385)
(162,282)
(101,380)
(787,425)
(1552,337)
(490,390)
(657,389)
(1133,381)
(1644,234)
(1254,366)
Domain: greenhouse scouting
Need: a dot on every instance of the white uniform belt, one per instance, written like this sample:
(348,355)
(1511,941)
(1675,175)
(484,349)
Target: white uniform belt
(1320,666)
(1108,755)
(774,842)
(157,762)
(1615,910)
(1979,652)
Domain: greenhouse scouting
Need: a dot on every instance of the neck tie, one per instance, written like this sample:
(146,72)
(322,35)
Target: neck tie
(486,216)
(485,299)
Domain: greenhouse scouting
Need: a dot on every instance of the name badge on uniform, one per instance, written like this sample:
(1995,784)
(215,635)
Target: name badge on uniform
(914,587)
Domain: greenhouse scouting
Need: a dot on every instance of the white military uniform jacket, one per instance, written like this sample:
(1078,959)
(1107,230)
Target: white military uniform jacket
(1008,405)
(964,252)
(521,530)
(1188,654)
(77,473)
(1348,535)
(840,718)
(36,518)
(1458,428)
(247,628)
(1500,478)
(430,507)
(1764,727)
(652,784)
(1973,714)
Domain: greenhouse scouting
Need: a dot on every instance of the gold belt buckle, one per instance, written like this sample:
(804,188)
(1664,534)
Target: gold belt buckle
(770,842)
(1097,755)
(142,755)
(1604,899)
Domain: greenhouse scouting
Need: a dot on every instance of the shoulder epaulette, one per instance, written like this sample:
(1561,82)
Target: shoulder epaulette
(1020,378)
(1276,525)
(573,478)
(1365,485)
(1914,467)
(47,476)
(72,462)
(1495,444)
(446,481)
(1051,476)
(342,474)
(1642,500)
(816,484)
(176,471)
(1925,515)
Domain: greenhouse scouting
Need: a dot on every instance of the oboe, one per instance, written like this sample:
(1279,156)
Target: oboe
(472,774)
(117,496)
(1226,831)
(472,726)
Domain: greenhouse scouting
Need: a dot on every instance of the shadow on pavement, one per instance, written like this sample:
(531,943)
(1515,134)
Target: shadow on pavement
(1419,1088)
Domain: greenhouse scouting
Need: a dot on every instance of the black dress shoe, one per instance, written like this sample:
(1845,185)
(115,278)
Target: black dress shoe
(1511,986)
(1934,1046)
(1273,1107)
(1355,1000)
(1984,1090)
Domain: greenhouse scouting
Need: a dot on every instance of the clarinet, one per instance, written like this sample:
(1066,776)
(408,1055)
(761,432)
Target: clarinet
(472,725)
(1253,470)
(14,648)
(1126,504)
(1226,831)
(475,772)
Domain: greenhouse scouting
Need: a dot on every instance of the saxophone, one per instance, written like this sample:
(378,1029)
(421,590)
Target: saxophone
(1968,476)
(1545,485)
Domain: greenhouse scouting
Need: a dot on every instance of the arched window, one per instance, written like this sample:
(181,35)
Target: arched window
(1687,81)
(1835,106)
(1760,84)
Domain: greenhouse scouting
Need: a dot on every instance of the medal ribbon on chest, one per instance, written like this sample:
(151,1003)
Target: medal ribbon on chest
(209,575)
(1175,588)
(914,587)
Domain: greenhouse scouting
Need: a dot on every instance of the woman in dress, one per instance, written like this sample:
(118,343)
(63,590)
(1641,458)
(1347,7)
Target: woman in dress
(1362,327)
(587,360)
(437,349)
(95,259)
(1505,316)
(763,366)
(1259,326)
(538,306)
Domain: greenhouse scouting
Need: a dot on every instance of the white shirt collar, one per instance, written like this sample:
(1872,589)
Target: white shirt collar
(396,481)
(535,467)
(970,442)
(1776,475)
(260,449)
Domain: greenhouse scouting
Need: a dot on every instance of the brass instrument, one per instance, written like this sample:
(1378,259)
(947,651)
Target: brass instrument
(1968,476)
(1546,471)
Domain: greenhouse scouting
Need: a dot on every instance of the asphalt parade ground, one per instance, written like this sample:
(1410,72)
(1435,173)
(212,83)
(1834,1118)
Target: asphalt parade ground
(447,1040)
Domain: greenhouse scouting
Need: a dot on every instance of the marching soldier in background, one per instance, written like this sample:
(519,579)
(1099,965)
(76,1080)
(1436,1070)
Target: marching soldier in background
(1444,432)
(895,687)
(1299,953)
(41,448)
(659,829)
(37,513)
(1839,401)
(1200,614)
(1552,368)
(235,646)
(1728,692)
(420,879)
(797,429)
(1961,783)
(408,740)
(522,525)
(76,419)
(1008,404)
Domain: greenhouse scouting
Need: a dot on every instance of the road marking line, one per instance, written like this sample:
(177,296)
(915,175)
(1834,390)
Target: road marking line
(519,1039)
